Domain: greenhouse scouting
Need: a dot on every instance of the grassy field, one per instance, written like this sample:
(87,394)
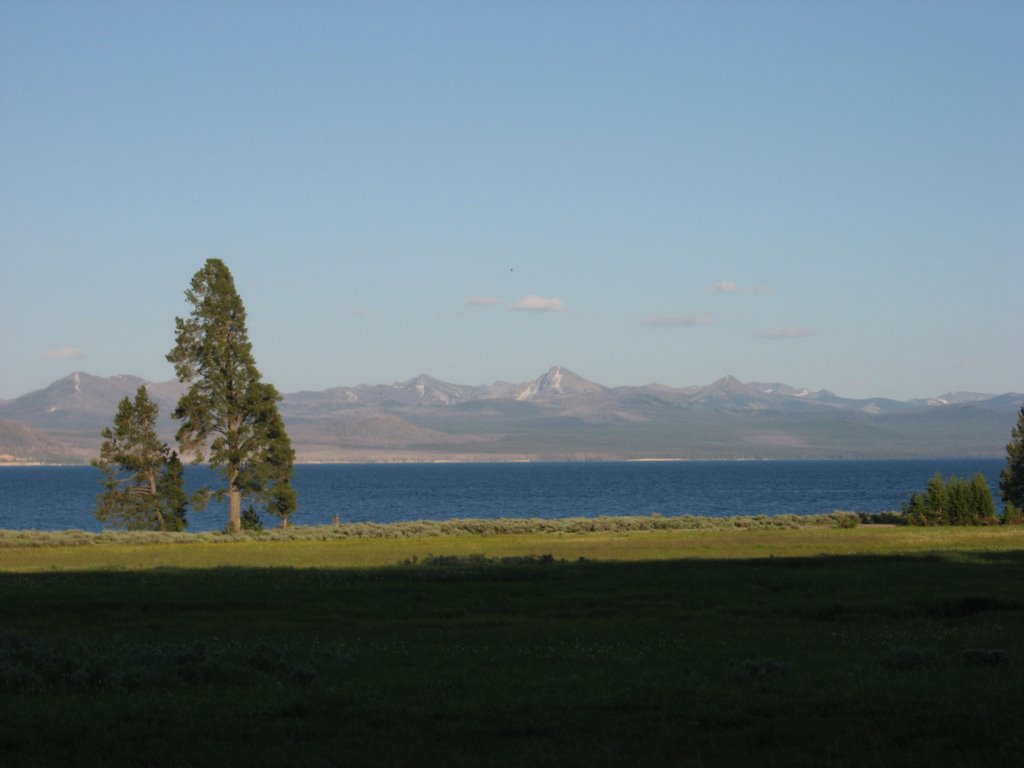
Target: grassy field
(800,646)
(605,539)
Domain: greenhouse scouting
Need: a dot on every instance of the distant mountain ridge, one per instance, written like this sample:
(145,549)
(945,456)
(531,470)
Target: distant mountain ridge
(559,415)
(20,443)
(426,390)
(73,410)
(81,400)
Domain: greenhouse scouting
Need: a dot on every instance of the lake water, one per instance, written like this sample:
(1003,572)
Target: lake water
(55,498)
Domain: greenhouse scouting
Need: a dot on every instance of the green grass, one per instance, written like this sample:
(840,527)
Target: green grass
(873,646)
(371,546)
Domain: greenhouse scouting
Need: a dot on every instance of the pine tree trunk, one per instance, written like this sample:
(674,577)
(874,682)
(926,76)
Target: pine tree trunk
(154,491)
(234,492)
(235,508)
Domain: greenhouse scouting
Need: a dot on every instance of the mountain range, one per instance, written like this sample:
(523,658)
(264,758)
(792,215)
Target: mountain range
(557,416)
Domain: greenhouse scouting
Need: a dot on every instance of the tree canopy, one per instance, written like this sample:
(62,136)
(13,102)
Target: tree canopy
(228,414)
(1011,480)
(143,479)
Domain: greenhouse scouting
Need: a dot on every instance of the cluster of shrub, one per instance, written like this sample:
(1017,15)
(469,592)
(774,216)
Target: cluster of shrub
(954,502)
(970,502)
(438,528)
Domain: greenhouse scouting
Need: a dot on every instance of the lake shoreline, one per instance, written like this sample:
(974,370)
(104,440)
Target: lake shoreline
(64,498)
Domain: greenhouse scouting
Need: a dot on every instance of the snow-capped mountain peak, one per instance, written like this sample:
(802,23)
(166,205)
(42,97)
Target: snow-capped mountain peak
(558,382)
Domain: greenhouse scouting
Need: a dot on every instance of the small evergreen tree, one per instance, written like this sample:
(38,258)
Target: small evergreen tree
(916,511)
(936,501)
(251,520)
(982,501)
(958,503)
(1011,480)
(143,479)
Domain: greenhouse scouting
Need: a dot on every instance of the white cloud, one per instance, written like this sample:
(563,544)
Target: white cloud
(533,303)
(677,321)
(788,333)
(64,353)
(728,286)
(483,301)
(361,312)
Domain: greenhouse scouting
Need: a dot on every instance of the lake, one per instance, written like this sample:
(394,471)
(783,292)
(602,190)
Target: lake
(56,498)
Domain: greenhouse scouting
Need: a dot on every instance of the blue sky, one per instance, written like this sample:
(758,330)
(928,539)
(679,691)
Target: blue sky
(825,194)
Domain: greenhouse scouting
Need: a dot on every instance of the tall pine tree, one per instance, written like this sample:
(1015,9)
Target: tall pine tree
(143,479)
(228,413)
(1011,480)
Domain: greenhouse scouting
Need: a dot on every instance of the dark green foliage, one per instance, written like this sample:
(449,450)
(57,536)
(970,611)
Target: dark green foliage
(251,520)
(936,500)
(1011,480)
(228,412)
(917,511)
(981,501)
(1012,514)
(952,502)
(958,498)
(143,479)
(267,476)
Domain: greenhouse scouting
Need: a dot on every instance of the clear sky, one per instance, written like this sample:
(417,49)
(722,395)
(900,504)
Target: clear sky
(827,194)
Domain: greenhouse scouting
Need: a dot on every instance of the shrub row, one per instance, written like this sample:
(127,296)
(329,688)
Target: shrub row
(430,528)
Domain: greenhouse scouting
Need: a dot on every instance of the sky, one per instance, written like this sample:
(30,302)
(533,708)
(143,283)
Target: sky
(829,195)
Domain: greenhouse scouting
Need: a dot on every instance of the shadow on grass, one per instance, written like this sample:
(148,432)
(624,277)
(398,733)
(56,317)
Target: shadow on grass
(857,660)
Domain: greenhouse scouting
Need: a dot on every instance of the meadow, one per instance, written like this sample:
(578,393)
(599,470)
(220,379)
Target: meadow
(743,642)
